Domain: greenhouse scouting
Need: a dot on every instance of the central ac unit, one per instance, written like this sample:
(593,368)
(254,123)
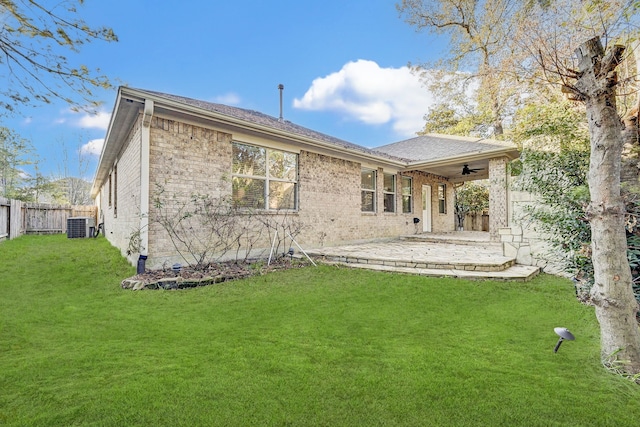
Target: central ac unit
(80,226)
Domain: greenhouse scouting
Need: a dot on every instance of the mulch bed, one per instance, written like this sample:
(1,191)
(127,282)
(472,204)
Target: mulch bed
(188,277)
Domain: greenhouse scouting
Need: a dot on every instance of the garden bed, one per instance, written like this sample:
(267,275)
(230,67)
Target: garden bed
(189,277)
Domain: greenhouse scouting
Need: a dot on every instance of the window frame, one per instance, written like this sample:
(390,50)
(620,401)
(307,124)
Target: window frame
(110,189)
(405,196)
(115,190)
(371,191)
(269,178)
(386,192)
(442,198)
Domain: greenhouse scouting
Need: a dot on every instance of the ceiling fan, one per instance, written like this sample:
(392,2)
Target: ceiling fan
(467,171)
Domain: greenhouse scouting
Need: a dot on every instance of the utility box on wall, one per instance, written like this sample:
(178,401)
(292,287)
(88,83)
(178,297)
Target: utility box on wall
(80,227)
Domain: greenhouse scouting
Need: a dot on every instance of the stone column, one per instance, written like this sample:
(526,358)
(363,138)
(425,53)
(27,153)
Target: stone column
(498,197)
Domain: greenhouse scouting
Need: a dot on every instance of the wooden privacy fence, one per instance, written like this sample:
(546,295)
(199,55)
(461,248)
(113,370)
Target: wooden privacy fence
(17,218)
(476,222)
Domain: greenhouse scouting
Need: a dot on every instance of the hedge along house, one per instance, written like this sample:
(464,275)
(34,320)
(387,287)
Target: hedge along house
(341,192)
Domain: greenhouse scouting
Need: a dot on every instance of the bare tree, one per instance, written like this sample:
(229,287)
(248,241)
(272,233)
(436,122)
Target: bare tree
(34,40)
(76,189)
(477,33)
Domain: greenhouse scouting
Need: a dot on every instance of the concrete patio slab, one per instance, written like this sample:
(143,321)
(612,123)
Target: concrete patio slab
(422,255)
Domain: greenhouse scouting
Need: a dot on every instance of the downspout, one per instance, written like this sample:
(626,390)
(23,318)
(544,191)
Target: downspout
(144,184)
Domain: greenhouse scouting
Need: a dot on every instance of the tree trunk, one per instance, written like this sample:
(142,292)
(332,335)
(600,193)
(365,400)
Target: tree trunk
(612,292)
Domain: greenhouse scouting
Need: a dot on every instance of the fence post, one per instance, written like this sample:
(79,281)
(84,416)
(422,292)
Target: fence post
(15,219)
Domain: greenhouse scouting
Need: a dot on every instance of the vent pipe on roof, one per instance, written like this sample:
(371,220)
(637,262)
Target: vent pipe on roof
(280,88)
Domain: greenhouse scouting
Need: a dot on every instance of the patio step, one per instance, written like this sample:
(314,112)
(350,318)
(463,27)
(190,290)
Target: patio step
(420,254)
(463,264)
(436,257)
(521,273)
(479,239)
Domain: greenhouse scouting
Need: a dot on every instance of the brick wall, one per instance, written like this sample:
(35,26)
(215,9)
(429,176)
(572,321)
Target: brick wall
(498,197)
(121,218)
(186,159)
(330,203)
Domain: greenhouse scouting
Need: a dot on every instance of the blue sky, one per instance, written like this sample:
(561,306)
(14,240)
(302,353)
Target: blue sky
(343,64)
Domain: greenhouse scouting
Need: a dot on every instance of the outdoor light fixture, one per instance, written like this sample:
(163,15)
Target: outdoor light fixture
(564,334)
(290,253)
(176,267)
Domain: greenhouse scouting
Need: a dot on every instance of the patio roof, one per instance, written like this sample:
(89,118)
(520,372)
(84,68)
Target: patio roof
(445,155)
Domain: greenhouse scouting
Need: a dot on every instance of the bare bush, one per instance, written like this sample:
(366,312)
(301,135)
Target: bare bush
(205,229)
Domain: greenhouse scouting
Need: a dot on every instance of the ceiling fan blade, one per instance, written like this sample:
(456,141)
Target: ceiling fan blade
(466,170)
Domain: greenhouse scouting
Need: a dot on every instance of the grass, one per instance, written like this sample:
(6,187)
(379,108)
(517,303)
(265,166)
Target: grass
(309,347)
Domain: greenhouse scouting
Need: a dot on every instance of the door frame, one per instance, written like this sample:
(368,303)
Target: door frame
(426,208)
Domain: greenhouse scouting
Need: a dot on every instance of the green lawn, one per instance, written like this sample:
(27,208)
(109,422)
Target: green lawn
(306,347)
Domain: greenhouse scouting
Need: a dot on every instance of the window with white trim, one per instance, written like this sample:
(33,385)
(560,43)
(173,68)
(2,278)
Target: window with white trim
(264,178)
(389,192)
(407,194)
(368,190)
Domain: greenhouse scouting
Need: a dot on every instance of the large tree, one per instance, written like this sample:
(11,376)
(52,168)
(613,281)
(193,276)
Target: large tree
(35,41)
(476,31)
(612,291)
(550,32)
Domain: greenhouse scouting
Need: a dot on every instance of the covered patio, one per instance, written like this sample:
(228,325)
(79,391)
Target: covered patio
(461,159)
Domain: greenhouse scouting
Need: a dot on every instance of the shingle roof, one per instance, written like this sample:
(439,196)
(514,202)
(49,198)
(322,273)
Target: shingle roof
(425,148)
(266,120)
(435,147)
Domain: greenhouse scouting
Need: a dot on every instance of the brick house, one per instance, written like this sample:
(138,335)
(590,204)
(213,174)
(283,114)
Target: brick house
(341,192)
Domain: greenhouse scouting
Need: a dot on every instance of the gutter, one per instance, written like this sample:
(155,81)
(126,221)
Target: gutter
(144,183)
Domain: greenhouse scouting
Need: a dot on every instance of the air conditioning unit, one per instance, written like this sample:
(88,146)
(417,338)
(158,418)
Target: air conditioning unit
(80,226)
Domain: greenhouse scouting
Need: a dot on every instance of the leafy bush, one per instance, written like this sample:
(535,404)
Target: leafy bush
(470,198)
(554,167)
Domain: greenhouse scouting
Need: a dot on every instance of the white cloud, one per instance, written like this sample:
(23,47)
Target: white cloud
(364,91)
(96,121)
(228,99)
(93,147)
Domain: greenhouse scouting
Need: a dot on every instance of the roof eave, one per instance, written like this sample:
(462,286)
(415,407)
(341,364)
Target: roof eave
(509,152)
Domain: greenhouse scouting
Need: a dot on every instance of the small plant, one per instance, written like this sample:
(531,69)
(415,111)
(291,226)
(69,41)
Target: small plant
(617,366)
